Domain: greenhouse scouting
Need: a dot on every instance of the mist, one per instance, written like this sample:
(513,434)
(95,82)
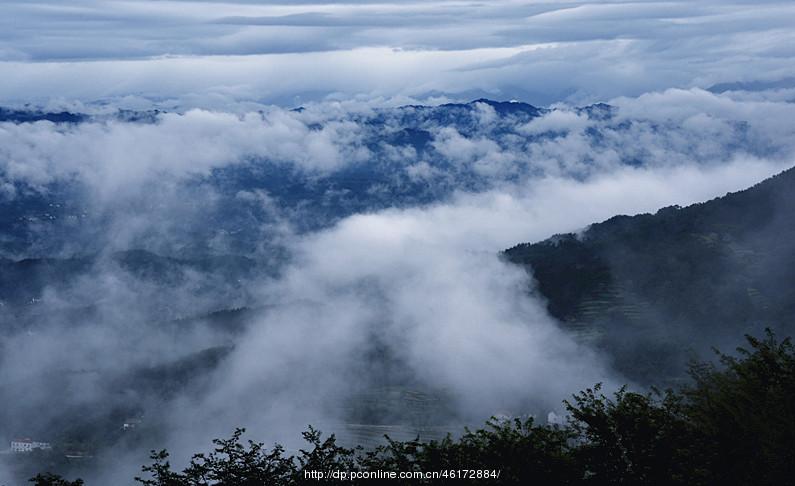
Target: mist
(376,217)
(199,305)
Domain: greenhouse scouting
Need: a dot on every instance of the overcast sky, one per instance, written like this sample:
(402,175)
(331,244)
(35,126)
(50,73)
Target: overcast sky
(289,52)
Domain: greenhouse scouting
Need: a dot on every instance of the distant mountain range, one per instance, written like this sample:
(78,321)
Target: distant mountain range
(45,221)
(678,280)
(654,289)
(413,155)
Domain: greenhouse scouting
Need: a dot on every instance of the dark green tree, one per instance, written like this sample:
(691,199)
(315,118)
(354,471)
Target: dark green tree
(745,412)
(633,438)
(734,425)
(49,479)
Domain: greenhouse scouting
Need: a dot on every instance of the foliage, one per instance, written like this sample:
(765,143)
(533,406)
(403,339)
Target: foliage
(735,424)
(49,479)
(635,438)
(746,412)
(651,289)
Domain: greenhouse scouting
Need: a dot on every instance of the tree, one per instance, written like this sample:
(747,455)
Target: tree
(735,424)
(49,479)
(745,411)
(639,439)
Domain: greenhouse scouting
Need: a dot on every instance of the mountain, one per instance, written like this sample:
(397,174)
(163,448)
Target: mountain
(29,116)
(656,289)
(38,292)
(403,162)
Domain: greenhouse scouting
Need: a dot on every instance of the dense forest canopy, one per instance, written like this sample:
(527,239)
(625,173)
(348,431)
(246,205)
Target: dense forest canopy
(656,289)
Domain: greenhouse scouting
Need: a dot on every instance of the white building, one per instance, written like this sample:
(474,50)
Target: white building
(28,445)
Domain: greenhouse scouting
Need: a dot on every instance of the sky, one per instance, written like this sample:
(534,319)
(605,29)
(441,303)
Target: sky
(209,54)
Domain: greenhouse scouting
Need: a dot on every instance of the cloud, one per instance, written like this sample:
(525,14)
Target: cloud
(673,127)
(165,176)
(410,295)
(556,121)
(289,52)
(388,268)
(425,288)
(112,155)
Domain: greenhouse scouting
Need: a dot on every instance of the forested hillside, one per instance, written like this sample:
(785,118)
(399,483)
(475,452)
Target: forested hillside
(656,288)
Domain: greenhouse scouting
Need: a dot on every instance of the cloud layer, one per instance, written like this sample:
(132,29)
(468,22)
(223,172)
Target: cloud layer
(361,232)
(211,174)
(397,285)
(200,53)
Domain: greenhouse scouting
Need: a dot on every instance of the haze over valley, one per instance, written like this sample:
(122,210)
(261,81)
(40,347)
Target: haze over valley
(375,218)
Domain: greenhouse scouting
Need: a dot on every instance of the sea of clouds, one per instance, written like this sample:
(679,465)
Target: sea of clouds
(374,258)
(419,285)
